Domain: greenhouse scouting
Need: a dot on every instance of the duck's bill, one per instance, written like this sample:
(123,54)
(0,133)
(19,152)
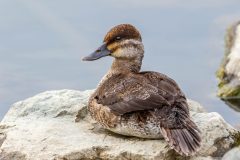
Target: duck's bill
(99,53)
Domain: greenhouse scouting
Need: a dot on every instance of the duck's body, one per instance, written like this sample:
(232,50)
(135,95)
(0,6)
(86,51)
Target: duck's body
(141,104)
(134,104)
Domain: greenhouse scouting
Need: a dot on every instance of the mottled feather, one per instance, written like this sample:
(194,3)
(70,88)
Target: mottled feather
(134,92)
(130,93)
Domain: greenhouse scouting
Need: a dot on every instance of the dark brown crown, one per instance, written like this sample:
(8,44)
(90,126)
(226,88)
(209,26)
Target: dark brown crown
(124,31)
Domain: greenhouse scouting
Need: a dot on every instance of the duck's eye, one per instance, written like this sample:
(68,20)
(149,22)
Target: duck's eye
(118,38)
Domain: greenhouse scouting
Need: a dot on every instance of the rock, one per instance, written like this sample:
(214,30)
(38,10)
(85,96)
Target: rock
(229,71)
(237,126)
(233,154)
(56,125)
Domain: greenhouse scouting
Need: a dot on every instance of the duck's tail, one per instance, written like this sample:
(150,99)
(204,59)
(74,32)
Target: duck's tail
(185,140)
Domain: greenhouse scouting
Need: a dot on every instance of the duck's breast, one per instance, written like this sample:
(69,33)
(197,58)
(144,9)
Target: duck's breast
(139,124)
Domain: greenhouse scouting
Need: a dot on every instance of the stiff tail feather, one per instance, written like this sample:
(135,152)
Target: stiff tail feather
(186,141)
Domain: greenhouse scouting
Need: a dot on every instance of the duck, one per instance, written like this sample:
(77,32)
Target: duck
(144,104)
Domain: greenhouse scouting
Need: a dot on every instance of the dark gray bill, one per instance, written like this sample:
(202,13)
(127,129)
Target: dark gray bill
(99,53)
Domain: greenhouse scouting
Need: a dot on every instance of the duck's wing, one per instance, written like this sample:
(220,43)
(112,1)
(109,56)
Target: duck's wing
(178,129)
(136,92)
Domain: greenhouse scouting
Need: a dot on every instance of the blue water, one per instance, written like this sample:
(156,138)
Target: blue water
(42,42)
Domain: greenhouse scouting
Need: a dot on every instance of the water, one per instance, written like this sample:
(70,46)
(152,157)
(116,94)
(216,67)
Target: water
(42,42)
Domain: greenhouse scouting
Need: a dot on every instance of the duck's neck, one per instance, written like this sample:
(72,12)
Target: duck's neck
(122,66)
(126,65)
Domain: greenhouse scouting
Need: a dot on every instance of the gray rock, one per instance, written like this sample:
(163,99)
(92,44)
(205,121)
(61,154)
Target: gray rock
(229,71)
(56,125)
(233,154)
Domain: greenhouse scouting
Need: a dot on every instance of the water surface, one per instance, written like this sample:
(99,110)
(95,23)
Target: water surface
(42,42)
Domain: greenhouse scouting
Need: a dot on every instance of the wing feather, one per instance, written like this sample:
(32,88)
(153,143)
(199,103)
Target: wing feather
(137,92)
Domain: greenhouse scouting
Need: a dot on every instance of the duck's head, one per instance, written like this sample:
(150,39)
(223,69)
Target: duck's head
(121,42)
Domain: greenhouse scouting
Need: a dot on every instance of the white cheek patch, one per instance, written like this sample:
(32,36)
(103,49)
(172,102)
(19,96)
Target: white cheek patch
(129,50)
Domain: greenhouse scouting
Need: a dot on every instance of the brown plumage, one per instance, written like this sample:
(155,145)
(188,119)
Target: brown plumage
(127,31)
(142,104)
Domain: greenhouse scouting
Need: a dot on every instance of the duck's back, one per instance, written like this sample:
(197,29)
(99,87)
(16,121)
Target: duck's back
(124,93)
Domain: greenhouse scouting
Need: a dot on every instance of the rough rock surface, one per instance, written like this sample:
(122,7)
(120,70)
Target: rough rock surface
(45,127)
(229,71)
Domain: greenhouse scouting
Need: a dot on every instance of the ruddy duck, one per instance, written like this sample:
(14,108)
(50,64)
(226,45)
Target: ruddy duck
(142,104)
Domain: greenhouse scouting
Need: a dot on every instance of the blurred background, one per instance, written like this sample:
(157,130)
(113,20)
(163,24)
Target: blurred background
(42,42)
